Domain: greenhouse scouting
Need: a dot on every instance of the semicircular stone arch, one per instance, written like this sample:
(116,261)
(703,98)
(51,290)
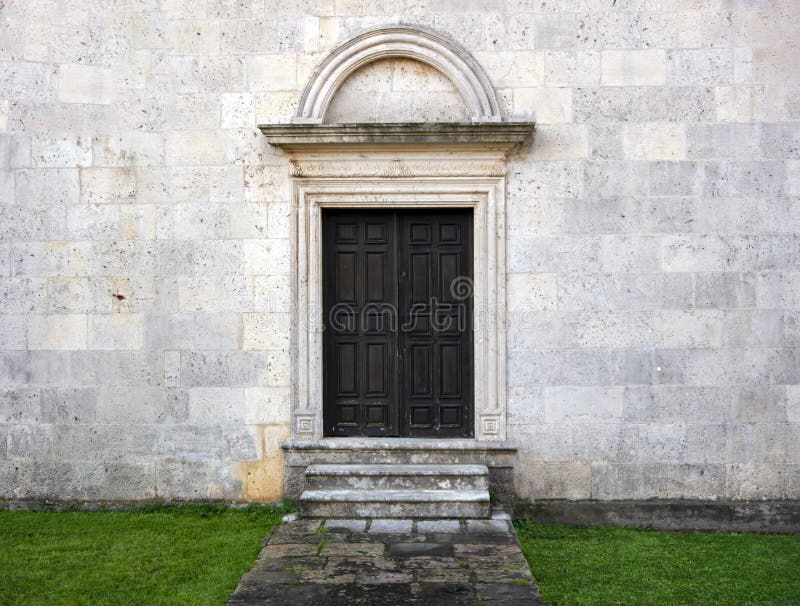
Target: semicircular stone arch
(399,41)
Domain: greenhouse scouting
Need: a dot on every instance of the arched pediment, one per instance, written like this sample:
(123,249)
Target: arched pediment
(399,41)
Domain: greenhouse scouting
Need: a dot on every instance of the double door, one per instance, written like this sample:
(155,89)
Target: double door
(397,305)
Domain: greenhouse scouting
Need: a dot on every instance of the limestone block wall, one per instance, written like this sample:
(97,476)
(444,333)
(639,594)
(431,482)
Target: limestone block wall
(653,247)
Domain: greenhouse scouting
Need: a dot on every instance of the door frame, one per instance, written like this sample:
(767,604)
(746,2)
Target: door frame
(398,179)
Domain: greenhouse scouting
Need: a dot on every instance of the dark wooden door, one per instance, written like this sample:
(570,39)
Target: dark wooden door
(397,304)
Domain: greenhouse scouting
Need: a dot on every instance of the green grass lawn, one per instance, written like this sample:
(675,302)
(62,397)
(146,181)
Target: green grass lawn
(621,566)
(157,555)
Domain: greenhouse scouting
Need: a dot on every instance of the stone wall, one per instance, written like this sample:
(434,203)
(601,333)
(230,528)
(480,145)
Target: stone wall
(653,248)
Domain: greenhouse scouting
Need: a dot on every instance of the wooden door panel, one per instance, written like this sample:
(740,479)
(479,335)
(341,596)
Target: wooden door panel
(359,296)
(398,340)
(435,252)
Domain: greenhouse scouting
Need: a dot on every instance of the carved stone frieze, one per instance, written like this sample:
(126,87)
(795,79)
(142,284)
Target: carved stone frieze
(396,168)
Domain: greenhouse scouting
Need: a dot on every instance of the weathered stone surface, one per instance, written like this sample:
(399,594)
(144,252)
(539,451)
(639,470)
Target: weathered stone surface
(147,256)
(367,568)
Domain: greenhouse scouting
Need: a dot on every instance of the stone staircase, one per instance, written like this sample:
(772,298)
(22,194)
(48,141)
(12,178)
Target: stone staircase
(395,491)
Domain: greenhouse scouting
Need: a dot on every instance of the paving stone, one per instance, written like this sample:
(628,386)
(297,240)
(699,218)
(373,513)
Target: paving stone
(439,526)
(494,526)
(351,525)
(389,526)
(300,565)
(354,549)
(417,549)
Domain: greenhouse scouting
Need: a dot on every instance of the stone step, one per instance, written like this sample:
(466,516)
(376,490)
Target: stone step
(395,504)
(397,477)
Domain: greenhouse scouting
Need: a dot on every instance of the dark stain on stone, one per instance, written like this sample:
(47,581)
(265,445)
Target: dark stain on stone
(118,297)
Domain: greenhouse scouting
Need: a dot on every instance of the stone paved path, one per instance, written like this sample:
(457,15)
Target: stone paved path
(387,562)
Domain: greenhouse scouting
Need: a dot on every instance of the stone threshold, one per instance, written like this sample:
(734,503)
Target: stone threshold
(399,444)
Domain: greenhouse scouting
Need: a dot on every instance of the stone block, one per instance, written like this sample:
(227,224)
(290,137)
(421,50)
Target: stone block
(194,36)
(753,328)
(216,406)
(46,187)
(554,254)
(654,141)
(512,69)
(194,147)
(694,253)
(532,291)
(612,481)
(745,178)
(107,186)
(57,331)
(218,257)
(572,404)
(700,67)
(69,405)
(571,68)
(525,405)
(608,329)
(237,110)
(266,331)
(116,331)
(563,142)
(249,221)
(793,403)
(681,481)
(19,405)
(266,257)
(688,329)
(198,330)
(548,442)
(271,73)
(552,479)
(643,104)
(176,479)
(275,107)
(86,84)
(757,442)
(12,332)
(734,103)
(122,481)
(600,442)
(554,31)
(633,67)
(61,152)
(133,148)
(624,254)
(755,481)
(780,140)
(761,403)
(725,290)
(662,443)
(267,405)
(715,141)
(172,368)
(544,105)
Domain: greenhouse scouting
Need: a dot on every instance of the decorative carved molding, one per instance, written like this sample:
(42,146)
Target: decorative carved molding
(420,135)
(399,41)
(395,168)
(484,194)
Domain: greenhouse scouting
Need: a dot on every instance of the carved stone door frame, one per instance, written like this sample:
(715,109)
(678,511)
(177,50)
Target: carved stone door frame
(399,176)
(394,166)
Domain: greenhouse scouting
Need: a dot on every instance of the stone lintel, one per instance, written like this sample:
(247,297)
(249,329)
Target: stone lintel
(465,135)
